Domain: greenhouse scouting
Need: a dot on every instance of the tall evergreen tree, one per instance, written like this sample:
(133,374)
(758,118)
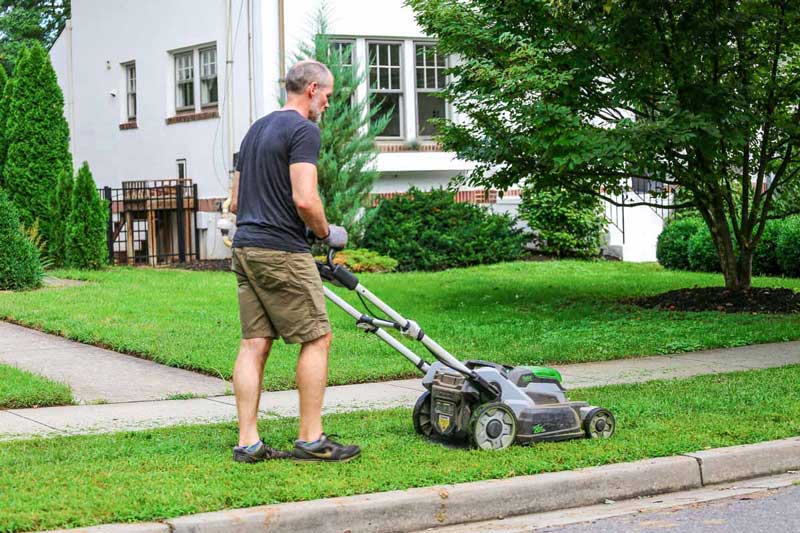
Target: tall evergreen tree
(348,129)
(3,83)
(38,138)
(86,228)
(60,209)
(20,267)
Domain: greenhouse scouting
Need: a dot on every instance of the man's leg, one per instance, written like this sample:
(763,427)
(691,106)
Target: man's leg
(312,377)
(248,374)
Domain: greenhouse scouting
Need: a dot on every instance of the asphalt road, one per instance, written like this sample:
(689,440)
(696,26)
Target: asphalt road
(775,510)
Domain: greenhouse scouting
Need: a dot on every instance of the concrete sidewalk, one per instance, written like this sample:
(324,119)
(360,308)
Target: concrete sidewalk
(137,415)
(98,375)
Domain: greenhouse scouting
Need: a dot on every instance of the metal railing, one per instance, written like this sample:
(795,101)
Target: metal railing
(152,222)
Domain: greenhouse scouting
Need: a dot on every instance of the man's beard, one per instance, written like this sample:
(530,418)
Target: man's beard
(314,112)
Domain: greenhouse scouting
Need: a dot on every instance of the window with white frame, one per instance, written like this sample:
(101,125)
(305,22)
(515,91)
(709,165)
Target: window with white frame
(386,84)
(430,78)
(208,77)
(184,81)
(130,87)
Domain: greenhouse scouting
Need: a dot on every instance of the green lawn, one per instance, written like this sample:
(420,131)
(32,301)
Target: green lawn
(138,476)
(516,313)
(19,389)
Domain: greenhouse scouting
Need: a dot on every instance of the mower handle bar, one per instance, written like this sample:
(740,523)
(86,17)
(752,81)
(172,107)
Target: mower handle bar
(339,275)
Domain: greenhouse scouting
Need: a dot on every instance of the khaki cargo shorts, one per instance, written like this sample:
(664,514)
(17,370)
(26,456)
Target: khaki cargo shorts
(280,295)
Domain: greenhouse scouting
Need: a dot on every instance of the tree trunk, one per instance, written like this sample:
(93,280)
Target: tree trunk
(737,265)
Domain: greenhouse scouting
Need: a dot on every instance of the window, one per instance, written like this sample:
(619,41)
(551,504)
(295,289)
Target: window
(181,169)
(385,82)
(430,68)
(208,77)
(130,84)
(341,53)
(184,81)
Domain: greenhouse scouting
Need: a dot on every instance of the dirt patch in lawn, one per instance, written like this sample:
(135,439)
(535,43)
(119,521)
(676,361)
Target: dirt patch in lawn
(754,300)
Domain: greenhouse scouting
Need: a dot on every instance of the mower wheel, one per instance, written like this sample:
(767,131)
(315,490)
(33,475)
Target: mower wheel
(423,423)
(493,426)
(599,424)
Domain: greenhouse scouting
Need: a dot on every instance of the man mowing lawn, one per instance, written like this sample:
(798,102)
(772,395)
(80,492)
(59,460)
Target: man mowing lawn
(275,198)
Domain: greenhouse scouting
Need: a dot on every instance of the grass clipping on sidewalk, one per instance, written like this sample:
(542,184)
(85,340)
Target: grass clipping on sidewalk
(150,475)
(20,389)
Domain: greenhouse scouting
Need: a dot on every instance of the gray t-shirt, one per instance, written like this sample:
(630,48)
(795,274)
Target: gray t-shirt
(266,215)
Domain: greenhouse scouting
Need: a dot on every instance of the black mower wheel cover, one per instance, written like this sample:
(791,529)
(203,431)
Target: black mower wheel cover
(423,424)
(599,424)
(492,426)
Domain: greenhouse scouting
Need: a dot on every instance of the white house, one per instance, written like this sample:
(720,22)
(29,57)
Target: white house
(165,90)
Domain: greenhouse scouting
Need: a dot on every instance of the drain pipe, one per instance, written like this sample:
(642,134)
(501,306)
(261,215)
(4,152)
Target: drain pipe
(281,50)
(225,224)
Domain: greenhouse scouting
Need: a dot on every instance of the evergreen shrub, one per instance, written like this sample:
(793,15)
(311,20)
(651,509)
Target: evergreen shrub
(86,229)
(20,268)
(431,231)
(566,224)
(672,249)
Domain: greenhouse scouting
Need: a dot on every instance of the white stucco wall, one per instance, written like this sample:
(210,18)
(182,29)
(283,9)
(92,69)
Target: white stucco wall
(108,33)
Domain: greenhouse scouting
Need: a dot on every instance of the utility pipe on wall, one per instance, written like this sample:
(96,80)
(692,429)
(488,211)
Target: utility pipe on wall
(281,49)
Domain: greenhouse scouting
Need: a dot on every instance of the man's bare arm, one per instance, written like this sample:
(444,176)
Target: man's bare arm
(306,198)
(235,194)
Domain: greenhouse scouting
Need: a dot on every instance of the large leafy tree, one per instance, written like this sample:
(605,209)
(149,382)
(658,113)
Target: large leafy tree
(23,22)
(37,136)
(700,95)
(348,129)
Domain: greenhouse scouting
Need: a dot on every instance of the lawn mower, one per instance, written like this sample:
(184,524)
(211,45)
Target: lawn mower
(485,404)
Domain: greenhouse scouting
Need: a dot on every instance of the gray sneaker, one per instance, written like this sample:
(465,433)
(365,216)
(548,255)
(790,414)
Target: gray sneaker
(324,450)
(263,453)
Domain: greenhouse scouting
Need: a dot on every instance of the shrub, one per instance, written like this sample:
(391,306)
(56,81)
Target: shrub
(86,229)
(765,258)
(363,260)
(703,255)
(431,231)
(567,224)
(672,249)
(20,268)
(787,248)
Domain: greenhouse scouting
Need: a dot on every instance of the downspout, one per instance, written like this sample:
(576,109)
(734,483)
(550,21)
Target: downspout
(250,87)
(225,224)
(281,50)
(71,85)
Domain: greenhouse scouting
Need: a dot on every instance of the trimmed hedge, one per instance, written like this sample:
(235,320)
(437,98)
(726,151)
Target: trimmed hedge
(20,267)
(431,231)
(787,249)
(672,249)
(567,224)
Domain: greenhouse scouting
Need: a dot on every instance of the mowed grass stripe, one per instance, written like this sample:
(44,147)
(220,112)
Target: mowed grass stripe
(515,313)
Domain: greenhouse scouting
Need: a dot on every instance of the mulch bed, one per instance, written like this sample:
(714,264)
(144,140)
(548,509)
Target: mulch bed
(754,300)
(208,265)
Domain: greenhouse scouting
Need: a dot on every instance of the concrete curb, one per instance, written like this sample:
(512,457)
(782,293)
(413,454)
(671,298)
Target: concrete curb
(422,508)
(751,460)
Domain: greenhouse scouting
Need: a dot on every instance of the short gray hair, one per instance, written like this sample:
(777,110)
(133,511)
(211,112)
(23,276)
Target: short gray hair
(306,72)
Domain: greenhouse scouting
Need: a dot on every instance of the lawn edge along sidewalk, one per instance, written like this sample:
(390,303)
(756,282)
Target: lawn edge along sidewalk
(422,508)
